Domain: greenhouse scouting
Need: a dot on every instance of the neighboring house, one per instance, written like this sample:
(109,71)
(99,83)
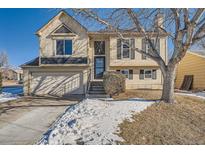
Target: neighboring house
(12,74)
(9,74)
(19,74)
(71,56)
(193,64)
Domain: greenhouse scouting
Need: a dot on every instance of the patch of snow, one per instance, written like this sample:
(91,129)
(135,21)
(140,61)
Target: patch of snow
(4,97)
(197,94)
(93,121)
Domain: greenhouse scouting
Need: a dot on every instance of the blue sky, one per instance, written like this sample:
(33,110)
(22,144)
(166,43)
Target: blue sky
(17,32)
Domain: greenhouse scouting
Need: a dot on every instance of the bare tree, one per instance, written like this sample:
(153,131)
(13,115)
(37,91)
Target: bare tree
(3,63)
(183,27)
(3,59)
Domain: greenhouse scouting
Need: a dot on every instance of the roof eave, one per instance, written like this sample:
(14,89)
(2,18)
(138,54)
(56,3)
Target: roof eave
(59,14)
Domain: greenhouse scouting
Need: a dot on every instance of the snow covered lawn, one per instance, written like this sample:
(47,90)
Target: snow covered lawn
(197,94)
(4,97)
(93,121)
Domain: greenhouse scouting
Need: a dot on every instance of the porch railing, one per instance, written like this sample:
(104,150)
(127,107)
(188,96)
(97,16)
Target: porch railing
(88,82)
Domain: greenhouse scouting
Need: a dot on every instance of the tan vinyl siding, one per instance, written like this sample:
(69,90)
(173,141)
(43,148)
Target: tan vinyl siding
(192,64)
(137,83)
(48,43)
(138,61)
(112,63)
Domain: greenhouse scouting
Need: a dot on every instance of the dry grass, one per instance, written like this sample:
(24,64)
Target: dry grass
(147,94)
(179,123)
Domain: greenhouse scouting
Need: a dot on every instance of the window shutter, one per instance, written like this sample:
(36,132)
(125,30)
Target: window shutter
(158,46)
(119,49)
(143,48)
(130,74)
(141,76)
(132,47)
(154,74)
(153,42)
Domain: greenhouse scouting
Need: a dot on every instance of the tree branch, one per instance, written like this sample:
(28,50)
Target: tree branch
(197,16)
(142,30)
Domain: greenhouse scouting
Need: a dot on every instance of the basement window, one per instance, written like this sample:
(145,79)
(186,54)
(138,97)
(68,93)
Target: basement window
(148,74)
(126,73)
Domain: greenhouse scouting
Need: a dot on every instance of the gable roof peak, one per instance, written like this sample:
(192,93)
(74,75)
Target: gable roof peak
(62,12)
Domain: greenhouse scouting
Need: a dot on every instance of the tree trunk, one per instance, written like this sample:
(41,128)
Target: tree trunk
(168,85)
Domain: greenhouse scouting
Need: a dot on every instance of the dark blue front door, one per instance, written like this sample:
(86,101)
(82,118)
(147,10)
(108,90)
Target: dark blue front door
(99,67)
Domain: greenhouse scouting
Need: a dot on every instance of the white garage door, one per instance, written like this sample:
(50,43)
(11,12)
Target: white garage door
(56,84)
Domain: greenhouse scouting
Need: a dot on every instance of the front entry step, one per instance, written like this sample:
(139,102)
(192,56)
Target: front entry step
(96,83)
(96,90)
(97,96)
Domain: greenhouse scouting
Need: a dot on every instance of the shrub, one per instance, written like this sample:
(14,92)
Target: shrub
(114,83)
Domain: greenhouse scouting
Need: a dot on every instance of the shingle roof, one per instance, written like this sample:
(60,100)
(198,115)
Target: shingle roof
(200,53)
(64,60)
(59,14)
(34,62)
(56,60)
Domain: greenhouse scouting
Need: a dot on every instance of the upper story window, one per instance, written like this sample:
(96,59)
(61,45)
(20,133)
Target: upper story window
(147,48)
(63,47)
(124,49)
(99,47)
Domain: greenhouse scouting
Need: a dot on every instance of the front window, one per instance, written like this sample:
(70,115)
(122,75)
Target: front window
(99,47)
(148,73)
(126,73)
(125,49)
(63,47)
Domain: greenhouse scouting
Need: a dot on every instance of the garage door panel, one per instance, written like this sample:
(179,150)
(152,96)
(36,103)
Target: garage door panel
(57,84)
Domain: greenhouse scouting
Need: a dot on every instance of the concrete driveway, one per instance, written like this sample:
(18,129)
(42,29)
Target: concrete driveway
(24,121)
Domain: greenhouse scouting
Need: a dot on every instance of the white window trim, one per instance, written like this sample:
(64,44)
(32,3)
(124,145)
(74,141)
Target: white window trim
(64,55)
(94,47)
(129,49)
(146,47)
(146,50)
(145,73)
(127,71)
(151,73)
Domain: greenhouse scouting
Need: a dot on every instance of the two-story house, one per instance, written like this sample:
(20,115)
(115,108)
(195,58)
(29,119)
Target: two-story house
(71,56)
